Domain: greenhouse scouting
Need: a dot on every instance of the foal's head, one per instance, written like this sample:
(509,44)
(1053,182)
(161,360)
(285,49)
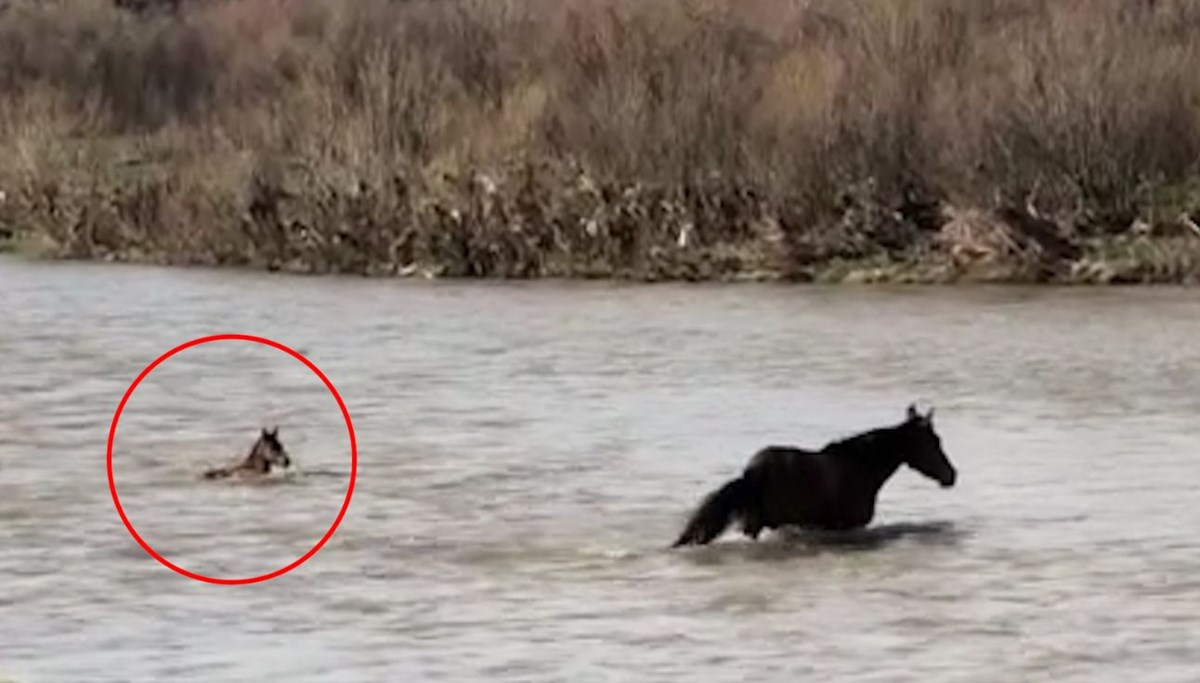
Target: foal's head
(270,450)
(924,448)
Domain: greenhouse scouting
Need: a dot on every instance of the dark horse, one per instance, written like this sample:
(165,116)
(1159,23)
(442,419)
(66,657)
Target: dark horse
(831,489)
(267,451)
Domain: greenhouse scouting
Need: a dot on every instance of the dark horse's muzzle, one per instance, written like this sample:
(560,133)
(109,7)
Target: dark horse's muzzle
(947,480)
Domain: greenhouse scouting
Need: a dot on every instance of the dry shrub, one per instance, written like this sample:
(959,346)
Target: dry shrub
(848,121)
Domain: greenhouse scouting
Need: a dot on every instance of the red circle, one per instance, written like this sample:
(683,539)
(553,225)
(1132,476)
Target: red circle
(112,431)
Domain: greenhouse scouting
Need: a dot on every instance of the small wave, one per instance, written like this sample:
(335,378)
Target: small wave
(788,544)
(876,536)
(321,473)
(291,476)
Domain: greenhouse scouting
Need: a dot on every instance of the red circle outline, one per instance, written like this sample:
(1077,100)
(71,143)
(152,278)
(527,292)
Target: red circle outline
(112,486)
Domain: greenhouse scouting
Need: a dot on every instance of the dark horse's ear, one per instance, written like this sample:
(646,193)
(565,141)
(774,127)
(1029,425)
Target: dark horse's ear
(913,415)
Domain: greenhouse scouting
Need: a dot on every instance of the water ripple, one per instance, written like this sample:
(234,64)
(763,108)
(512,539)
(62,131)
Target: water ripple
(527,452)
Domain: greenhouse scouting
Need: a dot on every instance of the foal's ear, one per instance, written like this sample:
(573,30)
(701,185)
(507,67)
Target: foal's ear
(913,415)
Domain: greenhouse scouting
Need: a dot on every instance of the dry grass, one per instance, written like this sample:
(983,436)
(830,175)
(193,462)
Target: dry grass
(648,138)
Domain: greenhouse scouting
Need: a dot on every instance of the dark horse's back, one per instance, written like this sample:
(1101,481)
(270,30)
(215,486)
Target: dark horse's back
(778,460)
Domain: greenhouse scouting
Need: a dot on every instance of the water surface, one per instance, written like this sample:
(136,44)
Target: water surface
(527,451)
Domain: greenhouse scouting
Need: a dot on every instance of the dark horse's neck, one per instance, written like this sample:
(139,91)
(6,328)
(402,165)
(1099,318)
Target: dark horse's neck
(875,454)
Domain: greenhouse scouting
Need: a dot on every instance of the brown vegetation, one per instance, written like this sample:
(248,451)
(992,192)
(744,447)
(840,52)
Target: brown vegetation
(837,139)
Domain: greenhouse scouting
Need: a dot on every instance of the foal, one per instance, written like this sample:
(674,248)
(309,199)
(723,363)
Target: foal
(267,451)
(834,488)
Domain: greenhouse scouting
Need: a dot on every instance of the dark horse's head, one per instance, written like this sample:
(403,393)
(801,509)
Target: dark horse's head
(269,449)
(924,452)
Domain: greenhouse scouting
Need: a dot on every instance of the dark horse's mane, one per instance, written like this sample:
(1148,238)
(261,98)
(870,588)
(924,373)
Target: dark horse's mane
(856,443)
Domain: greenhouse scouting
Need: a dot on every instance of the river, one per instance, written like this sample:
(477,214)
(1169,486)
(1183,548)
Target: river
(527,451)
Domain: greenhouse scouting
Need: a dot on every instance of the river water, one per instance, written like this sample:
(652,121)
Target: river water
(528,451)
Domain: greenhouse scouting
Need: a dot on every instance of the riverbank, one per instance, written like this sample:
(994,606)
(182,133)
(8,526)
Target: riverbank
(934,141)
(545,225)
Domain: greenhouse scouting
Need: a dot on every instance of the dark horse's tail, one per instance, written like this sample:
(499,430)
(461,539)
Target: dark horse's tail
(716,513)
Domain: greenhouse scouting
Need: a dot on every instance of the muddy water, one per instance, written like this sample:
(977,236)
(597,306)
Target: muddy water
(526,452)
